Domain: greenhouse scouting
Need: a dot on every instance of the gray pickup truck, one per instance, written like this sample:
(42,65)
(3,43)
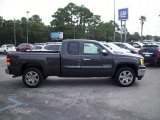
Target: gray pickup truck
(77,58)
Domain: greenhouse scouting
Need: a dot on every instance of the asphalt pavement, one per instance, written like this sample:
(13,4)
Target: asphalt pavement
(80,98)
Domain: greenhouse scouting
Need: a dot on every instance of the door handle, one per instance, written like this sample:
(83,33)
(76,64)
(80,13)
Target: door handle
(86,59)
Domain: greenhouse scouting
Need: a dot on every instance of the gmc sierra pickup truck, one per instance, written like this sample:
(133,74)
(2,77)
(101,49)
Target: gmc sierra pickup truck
(77,58)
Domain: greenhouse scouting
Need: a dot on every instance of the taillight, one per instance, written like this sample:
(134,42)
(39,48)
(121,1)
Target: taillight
(8,60)
(158,53)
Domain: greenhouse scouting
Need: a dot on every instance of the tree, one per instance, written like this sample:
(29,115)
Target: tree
(104,31)
(72,18)
(142,20)
(37,30)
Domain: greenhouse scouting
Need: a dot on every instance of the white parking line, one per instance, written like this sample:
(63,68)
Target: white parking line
(16,103)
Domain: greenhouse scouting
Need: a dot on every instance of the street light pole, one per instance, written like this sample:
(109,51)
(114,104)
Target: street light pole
(74,28)
(27,25)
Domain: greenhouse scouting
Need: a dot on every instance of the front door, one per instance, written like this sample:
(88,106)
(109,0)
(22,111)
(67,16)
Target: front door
(94,63)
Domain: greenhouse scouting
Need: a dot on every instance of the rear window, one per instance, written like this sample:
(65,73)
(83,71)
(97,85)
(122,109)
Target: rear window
(73,48)
(151,47)
(10,45)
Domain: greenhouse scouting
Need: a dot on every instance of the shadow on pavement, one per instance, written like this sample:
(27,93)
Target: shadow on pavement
(79,82)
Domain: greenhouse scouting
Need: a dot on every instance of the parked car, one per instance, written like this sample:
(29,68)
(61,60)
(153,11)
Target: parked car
(37,48)
(47,47)
(7,48)
(77,58)
(137,44)
(127,46)
(38,44)
(24,46)
(158,43)
(53,47)
(151,53)
(115,48)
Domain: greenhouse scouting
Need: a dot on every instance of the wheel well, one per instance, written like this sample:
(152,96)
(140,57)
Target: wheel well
(26,66)
(132,66)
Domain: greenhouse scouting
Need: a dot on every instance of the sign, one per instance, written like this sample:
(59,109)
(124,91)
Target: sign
(123,14)
(56,35)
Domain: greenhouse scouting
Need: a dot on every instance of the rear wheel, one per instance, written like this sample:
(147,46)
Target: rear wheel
(32,77)
(125,76)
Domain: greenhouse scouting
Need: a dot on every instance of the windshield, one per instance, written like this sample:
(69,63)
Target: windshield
(113,46)
(129,46)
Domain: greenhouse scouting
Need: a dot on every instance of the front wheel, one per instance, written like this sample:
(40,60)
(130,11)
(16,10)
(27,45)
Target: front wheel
(32,77)
(125,77)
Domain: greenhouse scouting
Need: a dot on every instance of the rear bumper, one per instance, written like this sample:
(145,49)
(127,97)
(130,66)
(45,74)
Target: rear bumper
(15,72)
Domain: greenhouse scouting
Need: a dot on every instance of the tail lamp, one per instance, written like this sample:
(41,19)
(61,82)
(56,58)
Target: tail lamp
(8,60)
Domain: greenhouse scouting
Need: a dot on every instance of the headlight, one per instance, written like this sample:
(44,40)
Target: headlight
(141,62)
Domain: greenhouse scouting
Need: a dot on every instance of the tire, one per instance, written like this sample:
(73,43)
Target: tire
(45,77)
(32,77)
(125,77)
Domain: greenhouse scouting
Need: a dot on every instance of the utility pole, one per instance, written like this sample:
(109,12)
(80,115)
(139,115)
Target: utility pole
(27,25)
(114,23)
(14,33)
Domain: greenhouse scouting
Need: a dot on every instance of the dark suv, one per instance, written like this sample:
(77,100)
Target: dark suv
(23,47)
(151,53)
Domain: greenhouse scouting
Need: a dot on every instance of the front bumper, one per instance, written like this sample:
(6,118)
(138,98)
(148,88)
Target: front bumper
(141,72)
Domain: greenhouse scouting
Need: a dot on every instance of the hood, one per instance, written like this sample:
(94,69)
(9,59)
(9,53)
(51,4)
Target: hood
(122,54)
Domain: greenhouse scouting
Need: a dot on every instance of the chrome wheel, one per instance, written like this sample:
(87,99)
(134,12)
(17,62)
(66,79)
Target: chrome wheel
(126,77)
(32,78)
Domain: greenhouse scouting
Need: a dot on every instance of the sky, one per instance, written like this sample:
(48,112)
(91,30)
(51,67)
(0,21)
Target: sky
(10,9)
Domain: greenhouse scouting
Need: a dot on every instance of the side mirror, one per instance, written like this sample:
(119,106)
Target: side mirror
(104,52)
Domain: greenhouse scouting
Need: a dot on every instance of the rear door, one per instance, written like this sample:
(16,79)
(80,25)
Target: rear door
(94,63)
(71,59)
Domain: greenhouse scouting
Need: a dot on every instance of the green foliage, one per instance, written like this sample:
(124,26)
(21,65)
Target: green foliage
(142,20)
(74,21)
(38,32)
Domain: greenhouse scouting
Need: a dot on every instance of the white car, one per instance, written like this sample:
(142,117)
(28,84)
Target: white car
(115,48)
(138,45)
(47,47)
(7,48)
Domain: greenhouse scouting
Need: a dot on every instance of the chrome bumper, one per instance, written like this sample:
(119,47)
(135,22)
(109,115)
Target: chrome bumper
(141,72)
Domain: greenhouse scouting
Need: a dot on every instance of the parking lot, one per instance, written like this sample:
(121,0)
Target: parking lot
(80,98)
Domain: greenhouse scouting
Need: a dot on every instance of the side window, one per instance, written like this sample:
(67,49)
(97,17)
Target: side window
(3,46)
(73,48)
(91,48)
